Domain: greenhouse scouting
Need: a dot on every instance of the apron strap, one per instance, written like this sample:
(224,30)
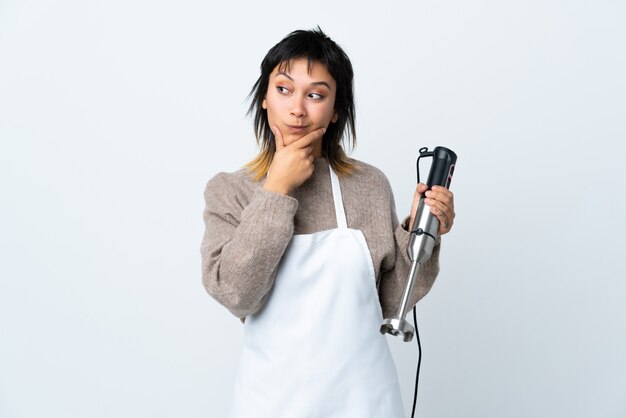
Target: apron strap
(339,210)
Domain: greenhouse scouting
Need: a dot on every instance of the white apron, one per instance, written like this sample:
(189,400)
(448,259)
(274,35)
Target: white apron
(314,350)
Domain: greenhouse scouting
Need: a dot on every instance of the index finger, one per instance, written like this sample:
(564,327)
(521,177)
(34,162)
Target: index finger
(441,189)
(441,193)
(308,139)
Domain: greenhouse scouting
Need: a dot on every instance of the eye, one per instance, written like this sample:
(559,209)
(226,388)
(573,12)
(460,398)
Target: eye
(316,96)
(282,89)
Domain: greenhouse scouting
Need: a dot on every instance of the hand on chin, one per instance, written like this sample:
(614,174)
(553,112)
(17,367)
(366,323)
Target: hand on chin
(293,137)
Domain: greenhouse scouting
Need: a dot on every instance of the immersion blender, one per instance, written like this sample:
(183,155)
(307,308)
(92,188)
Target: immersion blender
(423,236)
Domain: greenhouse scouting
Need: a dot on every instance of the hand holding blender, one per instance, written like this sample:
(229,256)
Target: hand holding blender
(425,229)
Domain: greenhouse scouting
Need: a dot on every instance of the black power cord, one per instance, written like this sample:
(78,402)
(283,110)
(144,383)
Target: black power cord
(417,334)
(419,361)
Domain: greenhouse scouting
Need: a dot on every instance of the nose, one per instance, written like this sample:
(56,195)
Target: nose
(297,107)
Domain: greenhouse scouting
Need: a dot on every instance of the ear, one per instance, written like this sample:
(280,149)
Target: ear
(264,104)
(335,117)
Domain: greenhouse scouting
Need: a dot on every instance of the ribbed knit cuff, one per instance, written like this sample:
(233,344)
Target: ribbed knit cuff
(274,210)
(403,234)
(402,238)
(280,202)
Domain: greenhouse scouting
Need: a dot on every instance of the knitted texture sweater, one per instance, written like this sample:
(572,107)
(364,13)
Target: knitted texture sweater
(248,229)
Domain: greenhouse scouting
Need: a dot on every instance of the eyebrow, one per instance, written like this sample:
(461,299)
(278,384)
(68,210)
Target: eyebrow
(315,83)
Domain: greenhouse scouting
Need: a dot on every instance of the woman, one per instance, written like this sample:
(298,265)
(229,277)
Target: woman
(304,243)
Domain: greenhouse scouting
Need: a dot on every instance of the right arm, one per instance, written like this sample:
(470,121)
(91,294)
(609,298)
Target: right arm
(243,245)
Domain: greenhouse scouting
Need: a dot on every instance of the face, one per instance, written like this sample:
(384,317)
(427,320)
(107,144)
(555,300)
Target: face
(299,101)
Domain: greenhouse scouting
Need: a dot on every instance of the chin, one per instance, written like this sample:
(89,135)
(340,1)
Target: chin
(288,140)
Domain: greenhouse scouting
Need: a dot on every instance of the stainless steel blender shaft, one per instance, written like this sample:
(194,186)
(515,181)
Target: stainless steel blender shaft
(420,248)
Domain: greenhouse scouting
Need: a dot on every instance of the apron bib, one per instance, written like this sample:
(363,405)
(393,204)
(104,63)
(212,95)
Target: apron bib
(314,349)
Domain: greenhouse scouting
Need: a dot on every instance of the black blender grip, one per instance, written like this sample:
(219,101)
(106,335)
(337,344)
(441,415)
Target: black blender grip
(442,167)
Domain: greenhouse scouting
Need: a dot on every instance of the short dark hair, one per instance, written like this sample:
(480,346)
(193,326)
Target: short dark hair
(315,46)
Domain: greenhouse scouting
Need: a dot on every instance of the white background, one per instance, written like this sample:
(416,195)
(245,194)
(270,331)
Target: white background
(113,115)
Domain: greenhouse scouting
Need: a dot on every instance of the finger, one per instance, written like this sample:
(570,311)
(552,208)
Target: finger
(441,194)
(308,139)
(436,204)
(421,188)
(278,136)
(441,190)
(441,206)
(444,213)
(445,222)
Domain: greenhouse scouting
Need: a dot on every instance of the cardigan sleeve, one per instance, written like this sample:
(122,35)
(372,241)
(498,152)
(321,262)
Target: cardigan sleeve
(244,240)
(393,281)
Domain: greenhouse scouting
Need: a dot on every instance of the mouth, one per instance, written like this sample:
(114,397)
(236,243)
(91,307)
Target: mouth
(297,128)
